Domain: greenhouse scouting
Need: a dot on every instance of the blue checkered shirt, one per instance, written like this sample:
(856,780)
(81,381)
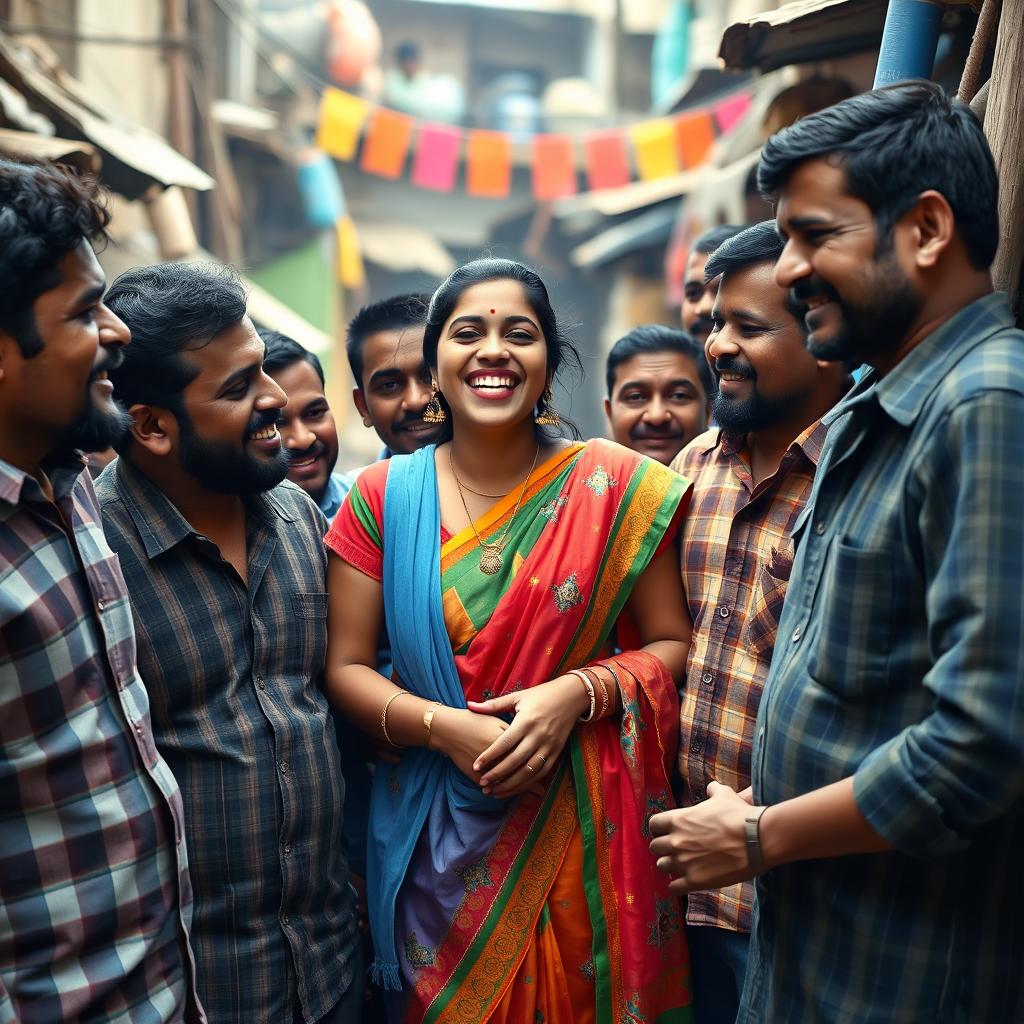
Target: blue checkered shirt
(94,887)
(899,662)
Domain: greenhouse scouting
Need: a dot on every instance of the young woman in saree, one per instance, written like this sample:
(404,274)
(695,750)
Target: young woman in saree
(509,878)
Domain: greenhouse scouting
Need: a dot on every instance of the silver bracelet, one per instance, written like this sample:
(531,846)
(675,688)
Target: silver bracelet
(752,827)
(585,679)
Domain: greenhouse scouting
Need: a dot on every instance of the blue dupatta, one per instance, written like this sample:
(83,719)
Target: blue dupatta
(403,794)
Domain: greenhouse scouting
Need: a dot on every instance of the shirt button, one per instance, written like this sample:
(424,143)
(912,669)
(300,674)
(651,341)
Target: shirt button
(707,679)
(819,529)
(284,767)
(261,682)
(760,733)
(284,919)
(797,633)
(101,604)
(698,746)
(287,848)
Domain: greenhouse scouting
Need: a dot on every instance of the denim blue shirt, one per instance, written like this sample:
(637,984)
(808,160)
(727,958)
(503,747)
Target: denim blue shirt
(899,662)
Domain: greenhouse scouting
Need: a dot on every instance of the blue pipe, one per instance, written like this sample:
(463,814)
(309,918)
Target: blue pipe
(909,40)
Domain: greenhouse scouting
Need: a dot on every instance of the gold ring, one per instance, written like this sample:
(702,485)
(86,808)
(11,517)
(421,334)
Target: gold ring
(529,767)
(543,758)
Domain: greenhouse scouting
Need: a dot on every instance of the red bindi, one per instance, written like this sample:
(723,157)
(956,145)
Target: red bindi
(492,312)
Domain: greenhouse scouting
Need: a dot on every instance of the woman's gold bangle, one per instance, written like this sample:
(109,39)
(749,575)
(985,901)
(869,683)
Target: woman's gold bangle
(384,716)
(428,720)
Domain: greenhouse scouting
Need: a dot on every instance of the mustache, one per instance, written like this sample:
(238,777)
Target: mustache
(414,420)
(645,430)
(113,360)
(811,288)
(315,450)
(730,364)
(261,420)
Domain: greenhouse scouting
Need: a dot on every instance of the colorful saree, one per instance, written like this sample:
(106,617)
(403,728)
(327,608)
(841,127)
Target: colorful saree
(545,908)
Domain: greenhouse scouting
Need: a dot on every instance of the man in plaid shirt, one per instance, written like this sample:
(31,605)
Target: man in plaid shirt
(751,476)
(94,889)
(886,820)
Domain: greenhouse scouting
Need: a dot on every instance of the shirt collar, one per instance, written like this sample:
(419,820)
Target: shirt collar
(63,468)
(158,520)
(903,391)
(809,442)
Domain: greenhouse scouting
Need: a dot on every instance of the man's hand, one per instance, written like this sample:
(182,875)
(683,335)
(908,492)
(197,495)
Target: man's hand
(704,847)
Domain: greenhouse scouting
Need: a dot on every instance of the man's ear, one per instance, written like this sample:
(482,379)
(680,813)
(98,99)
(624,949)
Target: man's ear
(608,412)
(359,401)
(934,226)
(153,428)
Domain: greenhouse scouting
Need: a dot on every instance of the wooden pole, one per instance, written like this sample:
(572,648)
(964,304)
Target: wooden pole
(180,124)
(984,33)
(1005,130)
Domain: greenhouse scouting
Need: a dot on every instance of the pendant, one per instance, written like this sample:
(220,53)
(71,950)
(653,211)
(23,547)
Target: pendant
(490,559)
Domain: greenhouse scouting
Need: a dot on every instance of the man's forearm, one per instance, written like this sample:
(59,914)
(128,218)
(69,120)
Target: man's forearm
(824,823)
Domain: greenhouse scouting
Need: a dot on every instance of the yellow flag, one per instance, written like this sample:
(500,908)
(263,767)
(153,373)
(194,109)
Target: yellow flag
(351,272)
(341,120)
(654,143)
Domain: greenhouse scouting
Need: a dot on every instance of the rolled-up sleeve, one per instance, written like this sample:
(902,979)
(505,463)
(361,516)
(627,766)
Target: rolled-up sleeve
(931,787)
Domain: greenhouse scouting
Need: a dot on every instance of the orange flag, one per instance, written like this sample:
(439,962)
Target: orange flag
(341,120)
(654,143)
(387,142)
(695,135)
(488,164)
(607,159)
(554,167)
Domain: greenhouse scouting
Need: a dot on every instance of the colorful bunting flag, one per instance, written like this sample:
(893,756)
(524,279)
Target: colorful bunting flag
(351,272)
(437,158)
(695,135)
(387,142)
(730,110)
(607,159)
(654,143)
(341,120)
(488,164)
(554,167)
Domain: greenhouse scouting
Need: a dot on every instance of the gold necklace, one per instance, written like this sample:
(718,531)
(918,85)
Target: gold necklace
(490,554)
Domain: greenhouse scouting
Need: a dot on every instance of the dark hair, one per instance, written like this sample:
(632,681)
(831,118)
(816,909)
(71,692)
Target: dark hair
(714,237)
(283,351)
(760,243)
(893,144)
(394,314)
(651,338)
(407,50)
(560,351)
(170,308)
(46,211)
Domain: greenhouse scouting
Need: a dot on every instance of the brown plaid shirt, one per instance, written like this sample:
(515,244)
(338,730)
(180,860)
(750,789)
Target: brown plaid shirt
(736,561)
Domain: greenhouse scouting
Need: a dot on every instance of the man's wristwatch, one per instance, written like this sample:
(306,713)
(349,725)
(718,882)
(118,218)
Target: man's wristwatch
(751,824)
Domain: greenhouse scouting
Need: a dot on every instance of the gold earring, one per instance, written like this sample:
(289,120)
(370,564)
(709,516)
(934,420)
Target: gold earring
(547,416)
(433,413)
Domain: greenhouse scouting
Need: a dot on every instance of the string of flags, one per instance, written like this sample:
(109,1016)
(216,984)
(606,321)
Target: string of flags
(384,139)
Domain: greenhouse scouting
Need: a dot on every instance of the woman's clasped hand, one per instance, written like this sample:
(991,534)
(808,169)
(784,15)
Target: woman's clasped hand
(529,748)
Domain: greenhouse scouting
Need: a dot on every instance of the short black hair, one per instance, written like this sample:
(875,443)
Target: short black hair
(170,308)
(714,237)
(407,50)
(282,351)
(394,314)
(651,338)
(46,211)
(893,144)
(760,243)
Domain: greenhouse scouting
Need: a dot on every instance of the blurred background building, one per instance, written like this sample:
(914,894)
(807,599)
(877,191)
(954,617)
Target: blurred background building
(209,121)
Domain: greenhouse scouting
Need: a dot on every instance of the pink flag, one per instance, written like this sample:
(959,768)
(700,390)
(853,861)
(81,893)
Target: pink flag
(730,110)
(437,158)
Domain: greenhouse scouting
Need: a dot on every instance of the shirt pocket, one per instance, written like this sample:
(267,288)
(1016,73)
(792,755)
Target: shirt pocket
(855,616)
(310,605)
(307,648)
(772,582)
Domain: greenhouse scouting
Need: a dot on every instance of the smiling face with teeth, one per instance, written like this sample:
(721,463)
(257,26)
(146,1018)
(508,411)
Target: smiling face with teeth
(492,356)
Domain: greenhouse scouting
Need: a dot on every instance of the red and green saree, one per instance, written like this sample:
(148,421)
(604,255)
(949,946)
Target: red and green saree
(544,908)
